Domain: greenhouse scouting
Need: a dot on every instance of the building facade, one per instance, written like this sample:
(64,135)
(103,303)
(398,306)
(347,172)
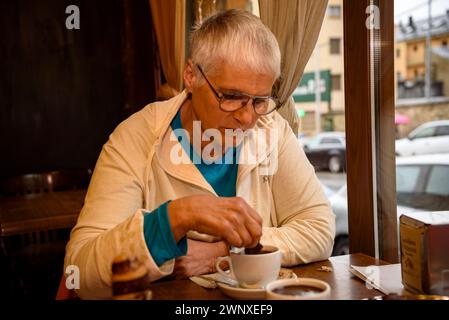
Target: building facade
(410,57)
(328,59)
(410,70)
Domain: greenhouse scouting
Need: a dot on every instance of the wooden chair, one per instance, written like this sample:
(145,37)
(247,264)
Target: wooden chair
(70,179)
(26,184)
(45,182)
(37,251)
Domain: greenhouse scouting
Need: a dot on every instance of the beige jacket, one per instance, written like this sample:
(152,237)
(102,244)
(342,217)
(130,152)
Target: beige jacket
(134,174)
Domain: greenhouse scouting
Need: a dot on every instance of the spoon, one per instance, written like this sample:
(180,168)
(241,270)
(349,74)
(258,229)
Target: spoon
(254,250)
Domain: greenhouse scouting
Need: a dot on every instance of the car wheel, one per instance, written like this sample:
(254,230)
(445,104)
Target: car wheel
(334,164)
(341,246)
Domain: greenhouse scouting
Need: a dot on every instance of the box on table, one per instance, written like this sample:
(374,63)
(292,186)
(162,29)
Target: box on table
(424,238)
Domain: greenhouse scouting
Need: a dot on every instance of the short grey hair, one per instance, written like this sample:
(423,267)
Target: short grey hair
(238,38)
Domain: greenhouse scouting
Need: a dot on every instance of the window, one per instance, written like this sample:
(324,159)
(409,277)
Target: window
(373,228)
(398,53)
(336,82)
(438,183)
(407,178)
(427,190)
(334,11)
(335,45)
(326,125)
(424,133)
(442,131)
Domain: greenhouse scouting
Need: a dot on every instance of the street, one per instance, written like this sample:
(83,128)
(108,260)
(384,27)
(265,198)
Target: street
(332,180)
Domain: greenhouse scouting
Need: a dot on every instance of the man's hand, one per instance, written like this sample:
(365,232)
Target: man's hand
(232,219)
(200,258)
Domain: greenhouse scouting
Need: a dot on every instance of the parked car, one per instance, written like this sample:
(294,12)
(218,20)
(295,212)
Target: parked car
(303,139)
(339,203)
(422,184)
(430,137)
(327,150)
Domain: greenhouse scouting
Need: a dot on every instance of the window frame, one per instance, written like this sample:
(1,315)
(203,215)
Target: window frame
(370,131)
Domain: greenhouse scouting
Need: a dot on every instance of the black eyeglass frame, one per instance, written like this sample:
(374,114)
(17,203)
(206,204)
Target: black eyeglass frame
(220,97)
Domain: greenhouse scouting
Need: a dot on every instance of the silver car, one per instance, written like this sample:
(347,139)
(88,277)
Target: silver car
(422,184)
(429,138)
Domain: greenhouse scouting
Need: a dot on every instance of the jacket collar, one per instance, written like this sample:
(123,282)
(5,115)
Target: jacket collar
(257,146)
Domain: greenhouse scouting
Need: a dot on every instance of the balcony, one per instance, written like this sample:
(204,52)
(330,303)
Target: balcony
(416,89)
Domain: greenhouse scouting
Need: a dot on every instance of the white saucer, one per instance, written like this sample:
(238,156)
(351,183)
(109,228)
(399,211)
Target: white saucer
(239,293)
(242,293)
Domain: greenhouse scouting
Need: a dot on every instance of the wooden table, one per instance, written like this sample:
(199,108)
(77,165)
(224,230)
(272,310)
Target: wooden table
(344,286)
(39,212)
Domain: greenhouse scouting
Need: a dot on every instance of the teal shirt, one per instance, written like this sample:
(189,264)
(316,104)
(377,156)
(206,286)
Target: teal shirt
(221,176)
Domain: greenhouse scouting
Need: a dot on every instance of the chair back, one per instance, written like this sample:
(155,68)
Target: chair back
(26,184)
(38,252)
(45,182)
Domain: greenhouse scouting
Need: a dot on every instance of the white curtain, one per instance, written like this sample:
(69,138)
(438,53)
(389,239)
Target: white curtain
(296,25)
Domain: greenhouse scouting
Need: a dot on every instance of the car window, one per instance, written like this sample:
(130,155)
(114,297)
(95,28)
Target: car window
(407,178)
(329,140)
(343,192)
(313,142)
(442,131)
(424,133)
(438,182)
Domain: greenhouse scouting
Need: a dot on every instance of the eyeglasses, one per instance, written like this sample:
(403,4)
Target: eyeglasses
(262,105)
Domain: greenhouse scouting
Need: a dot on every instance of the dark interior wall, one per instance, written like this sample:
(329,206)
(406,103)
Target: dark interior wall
(62,92)
(139,55)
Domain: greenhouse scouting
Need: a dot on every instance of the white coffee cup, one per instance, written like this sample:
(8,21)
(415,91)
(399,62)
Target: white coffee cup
(252,271)
(298,289)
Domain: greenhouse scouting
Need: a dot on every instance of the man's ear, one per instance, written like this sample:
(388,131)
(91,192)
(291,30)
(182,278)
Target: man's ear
(189,75)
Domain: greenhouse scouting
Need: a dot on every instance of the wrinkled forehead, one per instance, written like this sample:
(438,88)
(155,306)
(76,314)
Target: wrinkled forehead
(231,78)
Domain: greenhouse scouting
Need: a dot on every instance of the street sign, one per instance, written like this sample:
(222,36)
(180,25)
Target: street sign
(305,92)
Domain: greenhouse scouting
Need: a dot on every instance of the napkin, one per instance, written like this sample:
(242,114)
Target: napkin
(387,279)
(210,280)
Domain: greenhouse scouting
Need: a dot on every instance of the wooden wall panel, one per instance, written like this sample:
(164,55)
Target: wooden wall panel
(62,92)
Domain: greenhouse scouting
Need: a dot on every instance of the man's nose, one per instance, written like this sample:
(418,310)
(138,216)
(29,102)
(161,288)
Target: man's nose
(245,115)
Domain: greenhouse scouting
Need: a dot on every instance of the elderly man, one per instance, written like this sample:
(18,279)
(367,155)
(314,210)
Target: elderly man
(181,180)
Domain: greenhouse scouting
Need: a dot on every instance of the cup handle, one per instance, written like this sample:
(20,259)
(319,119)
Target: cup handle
(227,274)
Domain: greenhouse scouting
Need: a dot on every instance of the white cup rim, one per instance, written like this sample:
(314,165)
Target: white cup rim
(267,264)
(272,249)
(312,282)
